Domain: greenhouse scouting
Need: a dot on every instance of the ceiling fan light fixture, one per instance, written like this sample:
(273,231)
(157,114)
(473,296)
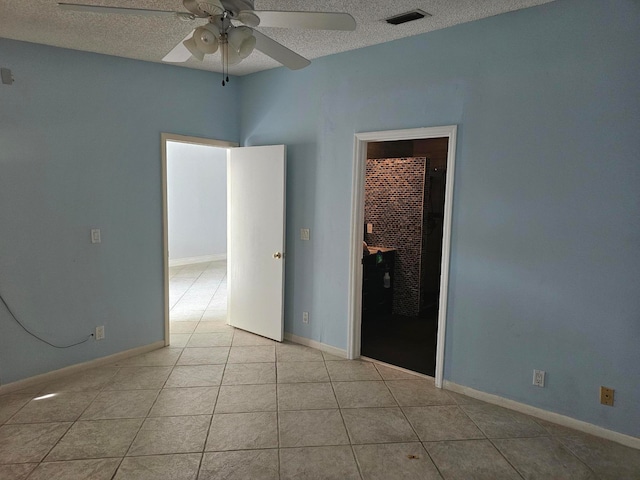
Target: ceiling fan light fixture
(242,41)
(248,18)
(190,44)
(206,38)
(247,47)
(230,56)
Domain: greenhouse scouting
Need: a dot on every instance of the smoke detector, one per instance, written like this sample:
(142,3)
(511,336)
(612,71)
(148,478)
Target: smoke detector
(416,14)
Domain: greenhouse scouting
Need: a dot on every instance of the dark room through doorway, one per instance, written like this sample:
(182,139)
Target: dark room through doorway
(402,251)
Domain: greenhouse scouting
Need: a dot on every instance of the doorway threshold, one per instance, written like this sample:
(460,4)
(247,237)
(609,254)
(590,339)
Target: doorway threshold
(395,367)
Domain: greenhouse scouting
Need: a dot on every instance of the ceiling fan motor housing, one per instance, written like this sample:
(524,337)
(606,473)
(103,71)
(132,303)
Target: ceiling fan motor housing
(236,6)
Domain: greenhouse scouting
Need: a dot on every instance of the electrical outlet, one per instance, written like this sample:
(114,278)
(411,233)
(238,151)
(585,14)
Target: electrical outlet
(304,234)
(606,396)
(305,317)
(538,378)
(369,227)
(100,333)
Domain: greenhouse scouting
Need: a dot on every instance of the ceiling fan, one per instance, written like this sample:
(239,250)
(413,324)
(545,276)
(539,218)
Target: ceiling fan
(230,28)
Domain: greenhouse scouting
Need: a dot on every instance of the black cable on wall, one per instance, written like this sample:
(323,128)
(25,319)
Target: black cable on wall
(36,336)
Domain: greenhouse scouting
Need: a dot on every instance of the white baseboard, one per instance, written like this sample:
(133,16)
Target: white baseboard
(63,372)
(563,420)
(338,352)
(178,262)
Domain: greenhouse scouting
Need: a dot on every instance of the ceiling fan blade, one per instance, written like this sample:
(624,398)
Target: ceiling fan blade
(310,20)
(279,52)
(179,53)
(99,9)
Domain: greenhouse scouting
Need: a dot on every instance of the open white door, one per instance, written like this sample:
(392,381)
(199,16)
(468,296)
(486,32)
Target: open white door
(256,234)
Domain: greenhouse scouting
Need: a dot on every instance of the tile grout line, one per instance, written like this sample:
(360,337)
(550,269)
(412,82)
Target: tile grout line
(195,280)
(411,425)
(414,430)
(574,454)
(72,423)
(185,292)
(169,375)
(275,366)
(491,442)
(165,383)
(344,423)
(215,291)
(144,419)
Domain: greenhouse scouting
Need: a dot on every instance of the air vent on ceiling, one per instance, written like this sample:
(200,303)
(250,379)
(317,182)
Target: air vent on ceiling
(416,14)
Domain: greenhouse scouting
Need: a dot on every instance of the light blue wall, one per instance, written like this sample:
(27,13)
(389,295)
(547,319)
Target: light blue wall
(80,148)
(545,264)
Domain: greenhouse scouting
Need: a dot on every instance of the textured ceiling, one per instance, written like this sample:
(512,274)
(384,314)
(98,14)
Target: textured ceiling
(152,37)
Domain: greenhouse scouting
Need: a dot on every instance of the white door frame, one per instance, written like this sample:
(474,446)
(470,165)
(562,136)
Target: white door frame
(164,138)
(354,335)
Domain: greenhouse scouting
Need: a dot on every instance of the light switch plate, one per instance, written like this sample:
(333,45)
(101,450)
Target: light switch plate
(305,234)
(100,332)
(369,227)
(95,235)
(7,76)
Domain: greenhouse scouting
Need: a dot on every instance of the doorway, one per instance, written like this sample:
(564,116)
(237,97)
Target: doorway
(194,270)
(385,258)
(255,203)
(402,251)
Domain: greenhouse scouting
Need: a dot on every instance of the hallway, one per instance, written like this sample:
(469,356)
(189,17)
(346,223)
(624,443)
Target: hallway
(197,300)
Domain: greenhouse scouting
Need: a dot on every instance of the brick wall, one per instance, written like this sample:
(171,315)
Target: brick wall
(394,196)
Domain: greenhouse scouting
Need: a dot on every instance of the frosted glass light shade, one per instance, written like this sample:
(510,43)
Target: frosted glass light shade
(241,40)
(190,43)
(206,38)
(247,47)
(230,56)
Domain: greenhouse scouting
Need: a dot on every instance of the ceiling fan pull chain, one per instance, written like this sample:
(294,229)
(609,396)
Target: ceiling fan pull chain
(225,56)
(225,48)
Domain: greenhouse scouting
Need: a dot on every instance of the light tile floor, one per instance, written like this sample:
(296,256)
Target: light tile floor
(225,404)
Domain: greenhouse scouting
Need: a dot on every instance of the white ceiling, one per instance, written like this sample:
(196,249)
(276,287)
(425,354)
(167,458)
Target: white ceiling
(150,38)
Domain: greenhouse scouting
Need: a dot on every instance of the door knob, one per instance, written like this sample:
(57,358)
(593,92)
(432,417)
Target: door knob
(277,255)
